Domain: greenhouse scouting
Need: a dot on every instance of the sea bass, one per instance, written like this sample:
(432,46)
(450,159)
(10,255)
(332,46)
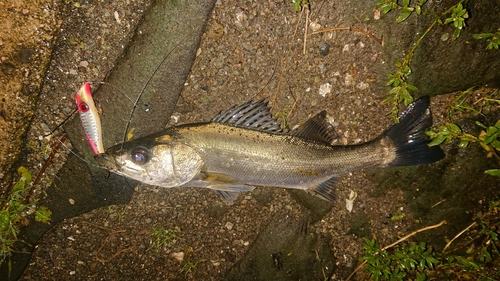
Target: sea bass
(245,147)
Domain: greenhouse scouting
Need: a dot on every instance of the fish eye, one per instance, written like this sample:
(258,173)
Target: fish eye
(140,155)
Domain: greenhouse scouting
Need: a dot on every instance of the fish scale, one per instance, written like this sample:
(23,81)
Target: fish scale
(273,159)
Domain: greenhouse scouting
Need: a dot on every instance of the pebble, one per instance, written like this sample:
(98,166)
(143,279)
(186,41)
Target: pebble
(178,255)
(325,89)
(314,26)
(362,85)
(24,55)
(7,68)
(348,80)
(324,49)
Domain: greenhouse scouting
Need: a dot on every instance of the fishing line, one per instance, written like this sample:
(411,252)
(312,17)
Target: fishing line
(272,74)
(108,173)
(60,124)
(143,89)
(78,156)
(269,80)
(135,103)
(93,95)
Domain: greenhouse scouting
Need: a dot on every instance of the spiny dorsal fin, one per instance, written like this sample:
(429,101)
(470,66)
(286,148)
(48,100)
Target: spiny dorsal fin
(316,128)
(250,115)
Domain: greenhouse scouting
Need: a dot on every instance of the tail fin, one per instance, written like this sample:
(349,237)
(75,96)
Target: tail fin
(409,136)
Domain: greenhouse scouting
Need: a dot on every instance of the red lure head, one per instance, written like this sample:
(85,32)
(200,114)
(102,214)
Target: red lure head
(81,96)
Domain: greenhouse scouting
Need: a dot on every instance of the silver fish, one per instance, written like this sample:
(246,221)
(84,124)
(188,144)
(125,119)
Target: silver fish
(245,147)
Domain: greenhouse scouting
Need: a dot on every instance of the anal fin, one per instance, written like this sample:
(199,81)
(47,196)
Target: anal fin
(228,196)
(325,190)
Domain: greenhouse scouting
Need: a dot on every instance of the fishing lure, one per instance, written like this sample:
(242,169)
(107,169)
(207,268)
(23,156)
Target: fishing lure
(90,118)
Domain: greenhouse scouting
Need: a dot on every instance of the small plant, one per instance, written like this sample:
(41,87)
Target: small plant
(458,17)
(299,4)
(449,132)
(400,92)
(162,237)
(282,114)
(459,104)
(418,261)
(493,39)
(79,45)
(478,256)
(488,138)
(114,213)
(14,213)
(406,10)
(397,217)
(43,214)
(410,259)
(188,267)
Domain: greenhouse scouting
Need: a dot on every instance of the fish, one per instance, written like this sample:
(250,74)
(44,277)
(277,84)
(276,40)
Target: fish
(90,118)
(245,147)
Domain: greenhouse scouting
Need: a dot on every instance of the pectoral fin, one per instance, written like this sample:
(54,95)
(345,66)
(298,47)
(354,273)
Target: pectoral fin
(225,186)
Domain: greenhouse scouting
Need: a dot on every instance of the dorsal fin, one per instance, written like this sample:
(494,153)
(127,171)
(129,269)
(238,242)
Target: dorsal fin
(250,115)
(316,128)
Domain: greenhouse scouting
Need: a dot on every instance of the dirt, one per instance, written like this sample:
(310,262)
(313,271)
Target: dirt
(26,36)
(251,50)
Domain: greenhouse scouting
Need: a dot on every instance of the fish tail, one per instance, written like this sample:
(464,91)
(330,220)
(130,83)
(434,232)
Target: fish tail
(409,136)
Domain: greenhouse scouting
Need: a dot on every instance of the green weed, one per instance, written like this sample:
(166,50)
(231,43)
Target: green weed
(493,39)
(14,213)
(187,268)
(282,114)
(162,237)
(411,259)
(488,137)
(397,217)
(113,213)
(400,92)
(189,265)
(460,104)
(298,5)
(419,261)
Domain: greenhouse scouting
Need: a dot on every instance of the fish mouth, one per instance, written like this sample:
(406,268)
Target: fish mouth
(107,162)
(114,165)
